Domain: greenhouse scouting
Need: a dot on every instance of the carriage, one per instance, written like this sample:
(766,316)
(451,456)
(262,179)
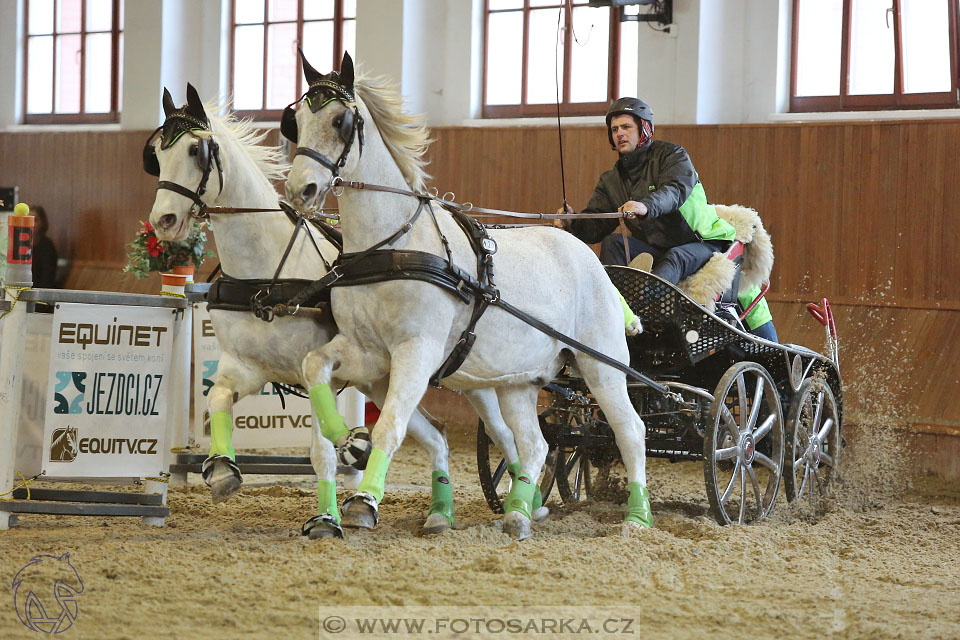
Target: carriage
(755,413)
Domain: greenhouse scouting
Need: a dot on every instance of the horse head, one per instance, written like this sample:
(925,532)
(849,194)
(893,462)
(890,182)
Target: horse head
(186,158)
(326,123)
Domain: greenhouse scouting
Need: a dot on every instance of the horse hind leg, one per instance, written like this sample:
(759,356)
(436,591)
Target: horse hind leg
(518,405)
(220,471)
(486,404)
(610,390)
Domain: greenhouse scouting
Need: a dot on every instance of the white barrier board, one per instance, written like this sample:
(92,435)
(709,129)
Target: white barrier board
(107,391)
(259,420)
(33,401)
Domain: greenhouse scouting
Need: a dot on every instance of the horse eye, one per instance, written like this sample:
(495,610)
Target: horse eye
(193,149)
(337,122)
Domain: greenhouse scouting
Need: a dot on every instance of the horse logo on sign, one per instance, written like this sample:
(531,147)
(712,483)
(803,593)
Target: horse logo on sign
(63,444)
(45,593)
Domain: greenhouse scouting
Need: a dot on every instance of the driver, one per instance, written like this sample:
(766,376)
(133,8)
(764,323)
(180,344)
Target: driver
(668,215)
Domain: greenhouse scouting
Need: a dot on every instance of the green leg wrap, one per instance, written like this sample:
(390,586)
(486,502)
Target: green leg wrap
(628,315)
(442,496)
(325,406)
(521,495)
(327,498)
(375,474)
(221,435)
(638,505)
(513,470)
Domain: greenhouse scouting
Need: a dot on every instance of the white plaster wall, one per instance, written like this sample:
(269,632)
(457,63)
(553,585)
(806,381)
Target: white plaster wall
(11,60)
(725,61)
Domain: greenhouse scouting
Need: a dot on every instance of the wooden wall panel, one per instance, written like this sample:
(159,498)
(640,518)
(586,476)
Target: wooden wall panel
(863,213)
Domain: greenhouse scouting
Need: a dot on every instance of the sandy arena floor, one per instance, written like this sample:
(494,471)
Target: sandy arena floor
(878,560)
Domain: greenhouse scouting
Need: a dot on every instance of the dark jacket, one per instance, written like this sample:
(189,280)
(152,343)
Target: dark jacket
(661,176)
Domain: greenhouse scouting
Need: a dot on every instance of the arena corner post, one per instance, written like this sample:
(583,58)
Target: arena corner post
(14,322)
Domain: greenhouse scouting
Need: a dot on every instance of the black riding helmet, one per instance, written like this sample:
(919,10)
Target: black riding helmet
(635,107)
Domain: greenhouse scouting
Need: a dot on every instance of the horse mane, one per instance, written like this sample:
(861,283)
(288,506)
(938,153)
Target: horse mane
(406,135)
(272,161)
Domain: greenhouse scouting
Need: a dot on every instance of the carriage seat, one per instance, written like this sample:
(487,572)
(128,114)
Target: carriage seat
(746,263)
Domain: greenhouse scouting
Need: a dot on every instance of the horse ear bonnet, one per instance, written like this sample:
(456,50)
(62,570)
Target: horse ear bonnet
(190,118)
(332,85)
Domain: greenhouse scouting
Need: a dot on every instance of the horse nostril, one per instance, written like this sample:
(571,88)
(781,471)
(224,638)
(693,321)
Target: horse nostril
(309,191)
(167,221)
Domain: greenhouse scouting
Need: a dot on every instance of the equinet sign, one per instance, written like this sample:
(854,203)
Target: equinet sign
(111,333)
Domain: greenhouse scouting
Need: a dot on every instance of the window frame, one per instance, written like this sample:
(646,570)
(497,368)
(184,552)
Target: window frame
(898,100)
(265,114)
(110,117)
(567,108)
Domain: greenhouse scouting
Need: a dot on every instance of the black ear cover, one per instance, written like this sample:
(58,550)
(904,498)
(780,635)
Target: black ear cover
(346,72)
(288,124)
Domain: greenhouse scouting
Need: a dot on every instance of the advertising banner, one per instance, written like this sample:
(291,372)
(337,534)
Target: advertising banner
(259,420)
(107,391)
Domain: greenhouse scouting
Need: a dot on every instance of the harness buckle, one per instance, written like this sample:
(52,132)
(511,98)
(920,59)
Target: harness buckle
(491,295)
(336,185)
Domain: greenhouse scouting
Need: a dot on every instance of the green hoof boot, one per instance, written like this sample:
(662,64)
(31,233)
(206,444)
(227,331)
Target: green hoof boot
(638,506)
(440,517)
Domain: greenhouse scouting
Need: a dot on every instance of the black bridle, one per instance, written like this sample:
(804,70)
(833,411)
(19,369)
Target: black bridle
(176,125)
(319,95)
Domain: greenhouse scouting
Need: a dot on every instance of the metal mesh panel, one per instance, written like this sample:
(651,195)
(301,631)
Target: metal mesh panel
(668,313)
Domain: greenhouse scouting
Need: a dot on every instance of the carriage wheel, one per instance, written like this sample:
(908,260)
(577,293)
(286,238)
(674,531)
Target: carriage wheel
(813,441)
(492,469)
(579,479)
(743,445)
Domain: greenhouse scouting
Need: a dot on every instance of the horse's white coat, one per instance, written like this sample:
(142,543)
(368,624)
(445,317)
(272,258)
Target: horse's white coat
(406,328)
(250,245)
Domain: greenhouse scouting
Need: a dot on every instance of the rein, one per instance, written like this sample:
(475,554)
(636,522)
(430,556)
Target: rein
(338,184)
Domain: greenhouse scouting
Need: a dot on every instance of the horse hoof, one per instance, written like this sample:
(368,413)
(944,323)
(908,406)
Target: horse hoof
(516,525)
(223,477)
(221,491)
(322,526)
(360,512)
(436,524)
(540,514)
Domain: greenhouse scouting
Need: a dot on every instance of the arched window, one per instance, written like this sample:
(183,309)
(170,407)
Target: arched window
(874,54)
(524,66)
(72,61)
(264,66)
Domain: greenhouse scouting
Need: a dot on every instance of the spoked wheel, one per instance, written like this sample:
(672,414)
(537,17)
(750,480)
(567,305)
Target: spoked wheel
(813,441)
(492,469)
(743,445)
(596,475)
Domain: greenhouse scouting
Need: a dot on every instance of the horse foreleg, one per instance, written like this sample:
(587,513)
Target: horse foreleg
(409,374)
(234,381)
(440,515)
(326,524)
(518,405)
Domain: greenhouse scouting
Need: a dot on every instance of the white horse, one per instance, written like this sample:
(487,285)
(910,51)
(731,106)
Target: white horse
(251,246)
(406,328)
